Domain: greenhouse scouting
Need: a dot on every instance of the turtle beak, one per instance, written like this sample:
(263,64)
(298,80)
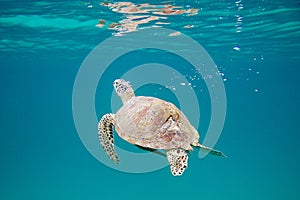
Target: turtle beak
(119,81)
(116,82)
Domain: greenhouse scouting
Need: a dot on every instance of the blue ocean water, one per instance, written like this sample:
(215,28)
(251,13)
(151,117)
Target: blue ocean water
(255,44)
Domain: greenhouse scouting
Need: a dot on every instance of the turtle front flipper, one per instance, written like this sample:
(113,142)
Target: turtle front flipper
(178,160)
(105,132)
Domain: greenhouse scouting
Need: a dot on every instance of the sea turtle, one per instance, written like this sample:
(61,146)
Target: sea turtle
(150,123)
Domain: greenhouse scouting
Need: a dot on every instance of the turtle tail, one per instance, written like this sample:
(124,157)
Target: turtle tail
(211,150)
(105,132)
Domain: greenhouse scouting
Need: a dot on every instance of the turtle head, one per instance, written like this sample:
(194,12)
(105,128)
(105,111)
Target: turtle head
(123,90)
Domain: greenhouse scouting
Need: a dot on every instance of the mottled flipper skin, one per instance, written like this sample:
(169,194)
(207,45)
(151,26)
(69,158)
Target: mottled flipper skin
(178,160)
(105,132)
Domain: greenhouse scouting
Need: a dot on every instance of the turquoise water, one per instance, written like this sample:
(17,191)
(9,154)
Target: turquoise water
(255,44)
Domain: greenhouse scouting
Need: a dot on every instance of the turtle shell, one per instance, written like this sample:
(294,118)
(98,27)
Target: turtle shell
(154,123)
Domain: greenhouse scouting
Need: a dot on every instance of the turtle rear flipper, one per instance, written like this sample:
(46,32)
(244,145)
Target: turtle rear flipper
(178,159)
(211,151)
(105,132)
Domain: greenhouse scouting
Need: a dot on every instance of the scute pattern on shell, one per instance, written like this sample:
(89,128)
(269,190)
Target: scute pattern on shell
(154,123)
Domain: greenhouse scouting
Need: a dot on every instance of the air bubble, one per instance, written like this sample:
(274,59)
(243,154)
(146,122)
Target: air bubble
(236,48)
